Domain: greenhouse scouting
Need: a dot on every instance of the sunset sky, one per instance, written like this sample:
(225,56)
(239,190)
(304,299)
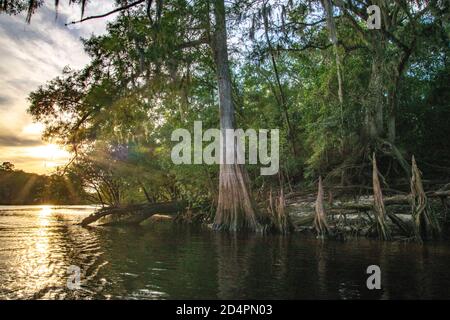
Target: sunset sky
(31,55)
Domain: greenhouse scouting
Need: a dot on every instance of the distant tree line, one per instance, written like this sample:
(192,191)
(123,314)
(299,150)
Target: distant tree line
(22,188)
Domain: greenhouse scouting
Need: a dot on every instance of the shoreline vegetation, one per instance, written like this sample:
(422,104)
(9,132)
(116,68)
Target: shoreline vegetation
(23,188)
(355,107)
(399,216)
(335,212)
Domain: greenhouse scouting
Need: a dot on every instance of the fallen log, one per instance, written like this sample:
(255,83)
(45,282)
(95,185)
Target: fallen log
(367,205)
(367,188)
(362,206)
(395,200)
(404,227)
(133,214)
(440,194)
(401,197)
(305,220)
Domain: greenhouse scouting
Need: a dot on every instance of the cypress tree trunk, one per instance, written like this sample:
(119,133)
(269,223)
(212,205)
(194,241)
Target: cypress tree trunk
(328,7)
(375,101)
(394,89)
(235,208)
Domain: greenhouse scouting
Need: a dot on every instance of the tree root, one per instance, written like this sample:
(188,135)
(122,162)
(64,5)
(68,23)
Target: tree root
(320,219)
(378,206)
(426,223)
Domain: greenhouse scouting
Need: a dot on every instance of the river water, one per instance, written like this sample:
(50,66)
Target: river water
(167,261)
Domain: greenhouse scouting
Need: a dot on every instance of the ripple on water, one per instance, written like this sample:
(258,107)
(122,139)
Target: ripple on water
(162,261)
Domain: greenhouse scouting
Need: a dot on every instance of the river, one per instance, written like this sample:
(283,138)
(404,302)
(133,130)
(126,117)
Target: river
(167,261)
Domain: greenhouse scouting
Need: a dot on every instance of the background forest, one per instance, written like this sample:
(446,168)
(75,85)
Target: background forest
(18,187)
(337,91)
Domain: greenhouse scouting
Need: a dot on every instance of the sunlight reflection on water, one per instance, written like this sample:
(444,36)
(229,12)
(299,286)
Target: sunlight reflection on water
(164,260)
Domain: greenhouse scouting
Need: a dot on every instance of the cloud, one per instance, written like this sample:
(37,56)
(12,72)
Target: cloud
(16,141)
(4,101)
(32,54)
(40,158)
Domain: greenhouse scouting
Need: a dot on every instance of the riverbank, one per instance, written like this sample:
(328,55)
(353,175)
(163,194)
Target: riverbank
(348,214)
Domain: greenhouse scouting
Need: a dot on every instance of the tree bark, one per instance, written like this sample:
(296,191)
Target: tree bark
(282,101)
(134,214)
(374,103)
(235,207)
(320,219)
(393,97)
(378,204)
(328,7)
(426,223)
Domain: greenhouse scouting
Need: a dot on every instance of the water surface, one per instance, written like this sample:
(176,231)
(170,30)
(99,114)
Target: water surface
(167,261)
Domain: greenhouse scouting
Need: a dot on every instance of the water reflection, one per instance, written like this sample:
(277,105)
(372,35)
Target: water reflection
(45,212)
(234,254)
(37,246)
(34,270)
(165,260)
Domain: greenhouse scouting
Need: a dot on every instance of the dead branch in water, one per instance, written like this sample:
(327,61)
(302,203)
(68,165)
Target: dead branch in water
(135,213)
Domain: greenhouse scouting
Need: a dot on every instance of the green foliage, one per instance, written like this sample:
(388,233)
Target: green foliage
(18,187)
(147,78)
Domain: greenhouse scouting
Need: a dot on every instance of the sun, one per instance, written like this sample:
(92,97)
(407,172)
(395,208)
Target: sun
(50,154)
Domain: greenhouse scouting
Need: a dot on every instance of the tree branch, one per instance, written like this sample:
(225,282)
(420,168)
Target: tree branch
(108,13)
